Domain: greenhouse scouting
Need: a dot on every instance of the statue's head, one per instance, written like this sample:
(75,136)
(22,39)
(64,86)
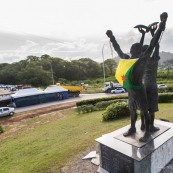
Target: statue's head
(136,50)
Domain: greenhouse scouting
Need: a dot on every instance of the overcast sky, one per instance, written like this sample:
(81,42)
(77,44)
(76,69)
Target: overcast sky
(71,29)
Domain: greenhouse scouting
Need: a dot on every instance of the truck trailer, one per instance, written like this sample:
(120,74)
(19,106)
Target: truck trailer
(73,91)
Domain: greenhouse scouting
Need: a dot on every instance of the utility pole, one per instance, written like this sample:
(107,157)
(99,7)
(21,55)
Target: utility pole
(52,73)
(103,64)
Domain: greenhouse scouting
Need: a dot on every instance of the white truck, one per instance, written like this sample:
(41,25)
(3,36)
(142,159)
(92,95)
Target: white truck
(108,86)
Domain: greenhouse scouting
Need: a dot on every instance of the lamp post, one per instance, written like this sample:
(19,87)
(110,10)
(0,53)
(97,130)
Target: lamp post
(52,73)
(103,63)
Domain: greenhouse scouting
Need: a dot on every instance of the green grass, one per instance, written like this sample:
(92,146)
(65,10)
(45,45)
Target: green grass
(52,145)
(48,147)
(165,111)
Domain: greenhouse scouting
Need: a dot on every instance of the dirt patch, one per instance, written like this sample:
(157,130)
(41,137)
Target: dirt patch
(31,114)
(81,166)
(25,121)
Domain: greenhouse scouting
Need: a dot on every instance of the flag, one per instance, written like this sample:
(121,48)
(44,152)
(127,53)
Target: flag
(124,73)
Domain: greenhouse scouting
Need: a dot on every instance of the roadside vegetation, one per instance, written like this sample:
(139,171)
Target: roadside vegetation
(38,72)
(48,142)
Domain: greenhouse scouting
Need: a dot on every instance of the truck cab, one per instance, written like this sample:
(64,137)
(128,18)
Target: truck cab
(108,86)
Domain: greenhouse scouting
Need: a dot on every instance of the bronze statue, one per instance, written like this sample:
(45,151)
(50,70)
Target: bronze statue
(150,77)
(137,97)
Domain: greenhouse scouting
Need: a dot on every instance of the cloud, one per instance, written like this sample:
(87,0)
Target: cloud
(19,53)
(16,47)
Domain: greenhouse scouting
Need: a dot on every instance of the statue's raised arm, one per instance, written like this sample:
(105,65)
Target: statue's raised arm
(157,35)
(142,29)
(116,46)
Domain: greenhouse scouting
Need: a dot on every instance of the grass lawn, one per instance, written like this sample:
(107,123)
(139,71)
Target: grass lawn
(49,146)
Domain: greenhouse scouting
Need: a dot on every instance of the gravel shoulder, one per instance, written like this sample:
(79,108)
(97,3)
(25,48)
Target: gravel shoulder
(82,166)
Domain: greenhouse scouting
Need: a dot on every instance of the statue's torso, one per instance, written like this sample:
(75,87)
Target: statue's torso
(150,72)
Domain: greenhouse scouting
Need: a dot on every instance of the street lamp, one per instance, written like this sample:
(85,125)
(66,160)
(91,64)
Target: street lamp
(103,63)
(52,73)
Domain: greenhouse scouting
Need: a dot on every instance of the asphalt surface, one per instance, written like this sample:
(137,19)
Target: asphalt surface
(81,97)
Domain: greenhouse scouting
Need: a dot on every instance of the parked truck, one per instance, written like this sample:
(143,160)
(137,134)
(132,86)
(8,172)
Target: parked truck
(108,86)
(73,91)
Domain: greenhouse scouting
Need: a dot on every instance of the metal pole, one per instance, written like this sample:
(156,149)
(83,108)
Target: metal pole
(52,73)
(103,63)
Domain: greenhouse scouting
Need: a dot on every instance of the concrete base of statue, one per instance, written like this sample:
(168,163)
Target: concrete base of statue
(119,154)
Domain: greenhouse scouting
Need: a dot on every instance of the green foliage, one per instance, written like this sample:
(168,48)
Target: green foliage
(1,129)
(99,106)
(165,76)
(165,97)
(85,109)
(95,101)
(110,66)
(165,82)
(37,71)
(104,104)
(116,111)
(166,90)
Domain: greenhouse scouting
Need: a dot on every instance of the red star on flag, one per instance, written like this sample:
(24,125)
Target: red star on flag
(123,78)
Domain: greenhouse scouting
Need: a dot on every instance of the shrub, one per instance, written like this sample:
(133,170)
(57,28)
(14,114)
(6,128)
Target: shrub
(95,101)
(165,97)
(1,129)
(104,104)
(166,90)
(115,111)
(99,106)
(85,109)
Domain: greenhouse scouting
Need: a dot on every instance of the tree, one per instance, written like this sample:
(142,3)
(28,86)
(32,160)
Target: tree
(110,66)
(32,58)
(35,75)
(90,68)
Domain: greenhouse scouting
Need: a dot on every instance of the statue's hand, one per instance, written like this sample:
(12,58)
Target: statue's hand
(164,16)
(153,29)
(109,33)
(141,30)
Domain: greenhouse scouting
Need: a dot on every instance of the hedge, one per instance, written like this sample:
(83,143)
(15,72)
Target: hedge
(85,109)
(104,104)
(99,106)
(95,101)
(165,90)
(163,98)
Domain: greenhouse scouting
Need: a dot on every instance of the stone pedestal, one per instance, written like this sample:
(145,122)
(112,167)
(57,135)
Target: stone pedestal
(119,154)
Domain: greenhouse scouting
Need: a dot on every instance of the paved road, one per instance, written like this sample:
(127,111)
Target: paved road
(81,97)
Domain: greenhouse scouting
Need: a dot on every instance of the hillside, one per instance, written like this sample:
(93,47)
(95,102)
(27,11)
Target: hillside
(165,56)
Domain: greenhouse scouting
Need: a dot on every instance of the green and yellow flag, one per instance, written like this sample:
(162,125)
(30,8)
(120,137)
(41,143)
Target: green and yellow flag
(124,72)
